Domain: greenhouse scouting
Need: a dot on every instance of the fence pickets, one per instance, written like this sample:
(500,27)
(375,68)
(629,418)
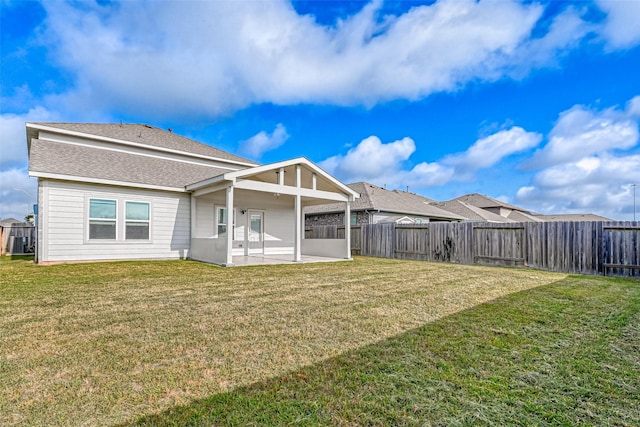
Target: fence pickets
(609,248)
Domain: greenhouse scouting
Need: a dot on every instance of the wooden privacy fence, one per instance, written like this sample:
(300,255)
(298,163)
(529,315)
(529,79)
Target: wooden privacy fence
(607,248)
(335,232)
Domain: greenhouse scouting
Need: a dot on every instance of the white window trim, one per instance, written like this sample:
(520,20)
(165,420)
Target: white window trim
(121,220)
(217,224)
(125,221)
(89,219)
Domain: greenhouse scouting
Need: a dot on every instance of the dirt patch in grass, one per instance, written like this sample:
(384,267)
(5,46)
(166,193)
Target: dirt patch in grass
(103,343)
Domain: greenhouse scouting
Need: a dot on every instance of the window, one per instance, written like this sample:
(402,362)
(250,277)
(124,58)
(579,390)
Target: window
(222,221)
(118,220)
(102,219)
(137,221)
(353,219)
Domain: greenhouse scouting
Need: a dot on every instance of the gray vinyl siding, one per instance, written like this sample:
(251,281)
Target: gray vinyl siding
(65,223)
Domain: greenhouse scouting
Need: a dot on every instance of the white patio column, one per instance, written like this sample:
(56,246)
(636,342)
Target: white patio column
(193,216)
(347,228)
(229,225)
(297,244)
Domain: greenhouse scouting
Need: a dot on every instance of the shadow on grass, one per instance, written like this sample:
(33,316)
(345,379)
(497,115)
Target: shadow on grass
(25,257)
(563,354)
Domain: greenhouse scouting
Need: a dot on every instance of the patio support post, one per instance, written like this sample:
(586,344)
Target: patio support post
(297,250)
(229,225)
(347,228)
(193,216)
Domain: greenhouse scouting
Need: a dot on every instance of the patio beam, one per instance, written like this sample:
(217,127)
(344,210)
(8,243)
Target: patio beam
(289,190)
(212,189)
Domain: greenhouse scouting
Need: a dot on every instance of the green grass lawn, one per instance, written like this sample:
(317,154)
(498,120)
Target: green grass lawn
(369,342)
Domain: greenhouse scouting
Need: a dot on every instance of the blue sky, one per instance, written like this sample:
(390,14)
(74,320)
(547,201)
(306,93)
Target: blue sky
(535,103)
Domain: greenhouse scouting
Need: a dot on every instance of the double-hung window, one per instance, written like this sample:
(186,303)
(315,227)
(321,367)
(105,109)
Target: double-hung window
(136,221)
(102,219)
(222,222)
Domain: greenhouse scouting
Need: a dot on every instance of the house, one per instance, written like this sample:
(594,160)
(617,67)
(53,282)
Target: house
(377,204)
(134,191)
(573,217)
(471,213)
(479,207)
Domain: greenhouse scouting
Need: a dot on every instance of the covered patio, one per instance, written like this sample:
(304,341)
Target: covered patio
(255,216)
(240,261)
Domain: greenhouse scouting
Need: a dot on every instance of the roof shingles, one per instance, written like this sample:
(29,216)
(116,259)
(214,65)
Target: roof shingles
(53,158)
(376,198)
(147,135)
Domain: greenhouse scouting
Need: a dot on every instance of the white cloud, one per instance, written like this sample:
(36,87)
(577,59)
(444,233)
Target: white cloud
(588,163)
(633,107)
(488,151)
(262,141)
(581,132)
(18,193)
(13,136)
(212,58)
(370,159)
(380,163)
(565,32)
(622,27)
(590,185)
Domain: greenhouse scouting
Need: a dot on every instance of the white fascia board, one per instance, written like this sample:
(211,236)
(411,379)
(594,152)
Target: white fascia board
(211,189)
(104,181)
(133,144)
(264,168)
(297,161)
(289,190)
(209,181)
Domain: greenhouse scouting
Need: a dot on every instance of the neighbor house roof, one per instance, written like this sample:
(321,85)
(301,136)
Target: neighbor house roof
(520,216)
(10,221)
(136,134)
(483,201)
(573,217)
(374,198)
(472,213)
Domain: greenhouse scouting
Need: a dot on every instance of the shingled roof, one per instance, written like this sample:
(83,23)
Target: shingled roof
(68,160)
(140,134)
(374,198)
(132,156)
(483,201)
(472,213)
(573,217)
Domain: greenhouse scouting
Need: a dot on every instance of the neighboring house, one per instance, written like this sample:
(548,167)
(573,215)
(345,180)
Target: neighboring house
(471,213)
(573,217)
(131,191)
(478,207)
(377,204)
(489,204)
